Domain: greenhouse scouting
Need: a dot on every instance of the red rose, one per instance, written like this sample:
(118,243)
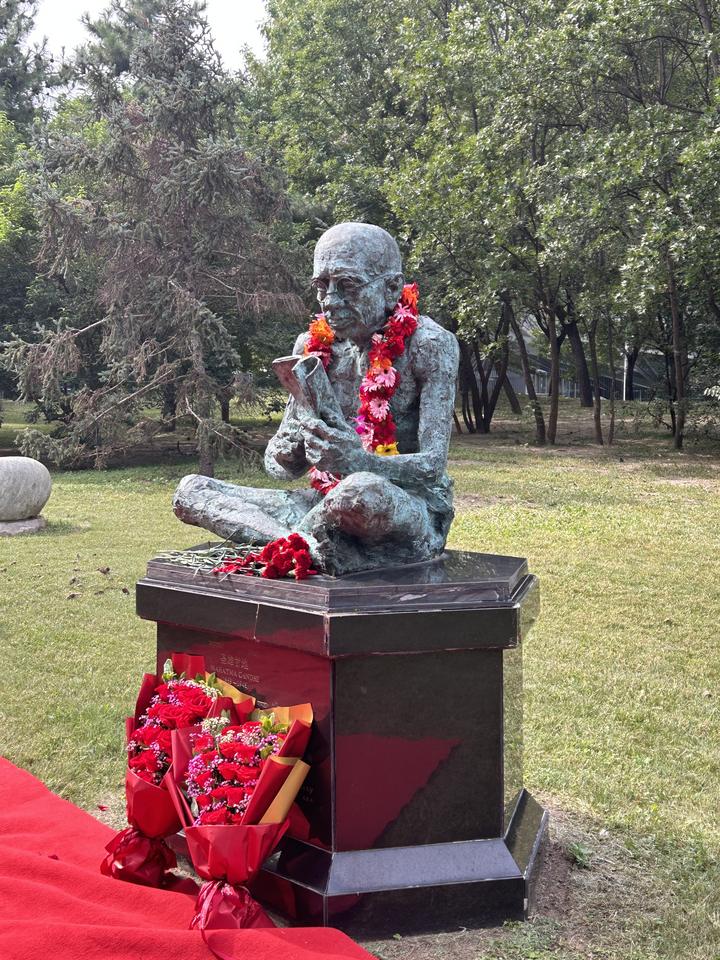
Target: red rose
(203,800)
(238,751)
(165,713)
(235,795)
(209,758)
(163,739)
(147,760)
(203,741)
(236,771)
(193,697)
(146,735)
(188,718)
(214,816)
(203,778)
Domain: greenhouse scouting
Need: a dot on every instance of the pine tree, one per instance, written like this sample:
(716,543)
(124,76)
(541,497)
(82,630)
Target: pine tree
(24,68)
(149,200)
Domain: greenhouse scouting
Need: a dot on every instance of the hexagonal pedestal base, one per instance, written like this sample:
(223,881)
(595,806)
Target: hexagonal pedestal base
(414,814)
(427,887)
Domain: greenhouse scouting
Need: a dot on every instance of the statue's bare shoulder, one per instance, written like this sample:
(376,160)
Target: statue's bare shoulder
(433,351)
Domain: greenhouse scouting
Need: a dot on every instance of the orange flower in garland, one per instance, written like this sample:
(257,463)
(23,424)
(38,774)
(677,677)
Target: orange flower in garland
(374,421)
(322,337)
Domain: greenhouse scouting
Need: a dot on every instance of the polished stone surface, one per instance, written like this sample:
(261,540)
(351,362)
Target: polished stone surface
(493,602)
(458,578)
(414,888)
(416,755)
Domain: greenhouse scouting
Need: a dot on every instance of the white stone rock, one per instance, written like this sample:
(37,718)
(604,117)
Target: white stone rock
(25,486)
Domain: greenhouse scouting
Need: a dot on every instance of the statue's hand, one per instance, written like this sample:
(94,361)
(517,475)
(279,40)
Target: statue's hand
(285,455)
(335,450)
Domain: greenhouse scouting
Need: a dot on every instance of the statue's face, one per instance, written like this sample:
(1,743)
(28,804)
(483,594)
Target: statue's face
(356,298)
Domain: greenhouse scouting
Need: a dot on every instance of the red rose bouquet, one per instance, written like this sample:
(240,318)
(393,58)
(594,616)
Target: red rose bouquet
(171,702)
(240,783)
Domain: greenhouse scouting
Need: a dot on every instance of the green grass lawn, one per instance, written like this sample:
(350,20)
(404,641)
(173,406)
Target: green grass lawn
(622,672)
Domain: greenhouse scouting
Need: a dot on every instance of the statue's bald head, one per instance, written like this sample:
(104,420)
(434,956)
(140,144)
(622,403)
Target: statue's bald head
(359,246)
(358,278)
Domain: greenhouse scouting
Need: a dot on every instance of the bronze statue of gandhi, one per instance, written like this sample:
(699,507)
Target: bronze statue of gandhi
(385,510)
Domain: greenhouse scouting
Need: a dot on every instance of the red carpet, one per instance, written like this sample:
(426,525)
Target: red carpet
(55,904)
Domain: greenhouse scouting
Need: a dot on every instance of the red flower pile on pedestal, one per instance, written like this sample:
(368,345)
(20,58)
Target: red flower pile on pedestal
(285,557)
(374,421)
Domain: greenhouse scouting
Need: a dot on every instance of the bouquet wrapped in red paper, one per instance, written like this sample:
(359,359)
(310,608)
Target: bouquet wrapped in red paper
(239,785)
(184,696)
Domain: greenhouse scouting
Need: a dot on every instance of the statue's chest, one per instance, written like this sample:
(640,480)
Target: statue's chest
(348,368)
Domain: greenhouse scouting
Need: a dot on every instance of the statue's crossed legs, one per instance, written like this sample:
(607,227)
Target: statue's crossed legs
(365,522)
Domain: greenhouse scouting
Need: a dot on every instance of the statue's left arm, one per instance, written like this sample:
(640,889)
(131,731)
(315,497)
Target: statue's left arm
(434,365)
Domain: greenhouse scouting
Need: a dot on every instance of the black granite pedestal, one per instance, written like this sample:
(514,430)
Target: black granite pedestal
(415,815)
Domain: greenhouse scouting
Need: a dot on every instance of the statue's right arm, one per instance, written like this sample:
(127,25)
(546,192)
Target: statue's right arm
(285,454)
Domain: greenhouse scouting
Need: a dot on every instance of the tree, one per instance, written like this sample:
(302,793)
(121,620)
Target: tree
(24,69)
(157,220)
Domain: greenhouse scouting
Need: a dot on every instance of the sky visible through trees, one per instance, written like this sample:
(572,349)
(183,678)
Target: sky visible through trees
(234,23)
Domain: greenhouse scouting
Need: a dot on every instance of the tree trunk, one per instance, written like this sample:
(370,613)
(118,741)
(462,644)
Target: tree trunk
(527,374)
(225,409)
(670,383)
(206,461)
(467,416)
(679,356)
(500,367)
(581,368)
(484,398)
(705,16)
(512,397)
(611,358)
(597,396)
(169,407)
(554,375)
(472,418)
(629,371)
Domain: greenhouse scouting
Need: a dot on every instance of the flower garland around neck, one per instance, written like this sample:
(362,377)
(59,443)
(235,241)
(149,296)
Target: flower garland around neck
(374,421)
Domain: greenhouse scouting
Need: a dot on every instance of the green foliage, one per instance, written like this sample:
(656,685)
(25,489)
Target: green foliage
(580,854)
(557,157)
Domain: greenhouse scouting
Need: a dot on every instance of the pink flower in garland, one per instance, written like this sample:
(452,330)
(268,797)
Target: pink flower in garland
(386,378)
(379,409)
(374,422)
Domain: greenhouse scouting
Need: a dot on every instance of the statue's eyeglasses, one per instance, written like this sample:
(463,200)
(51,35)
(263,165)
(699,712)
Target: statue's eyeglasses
(345,286)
